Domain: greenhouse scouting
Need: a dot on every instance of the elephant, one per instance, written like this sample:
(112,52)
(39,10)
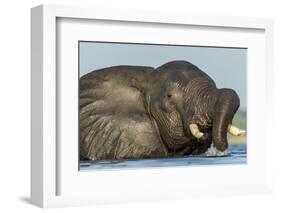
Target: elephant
(140,112)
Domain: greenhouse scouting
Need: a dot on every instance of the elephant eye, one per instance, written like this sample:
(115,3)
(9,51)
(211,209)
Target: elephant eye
(169,95)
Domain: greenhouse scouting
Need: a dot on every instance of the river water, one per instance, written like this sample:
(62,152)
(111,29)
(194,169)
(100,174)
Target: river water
(237,155)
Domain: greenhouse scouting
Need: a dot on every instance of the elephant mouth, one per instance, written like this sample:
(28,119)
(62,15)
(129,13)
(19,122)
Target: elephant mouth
(231,129)
(177,132)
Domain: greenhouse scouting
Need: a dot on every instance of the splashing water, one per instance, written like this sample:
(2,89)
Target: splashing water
(214,152)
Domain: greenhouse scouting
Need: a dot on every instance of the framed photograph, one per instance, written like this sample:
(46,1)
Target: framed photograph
(129,106)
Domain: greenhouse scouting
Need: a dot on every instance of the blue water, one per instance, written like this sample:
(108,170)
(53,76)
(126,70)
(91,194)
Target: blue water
(238,155)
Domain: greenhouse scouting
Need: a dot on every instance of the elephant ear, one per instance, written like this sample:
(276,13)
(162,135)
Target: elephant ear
(113,123)
(93,125)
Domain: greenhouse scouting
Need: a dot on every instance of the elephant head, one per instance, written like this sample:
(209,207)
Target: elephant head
(188,107)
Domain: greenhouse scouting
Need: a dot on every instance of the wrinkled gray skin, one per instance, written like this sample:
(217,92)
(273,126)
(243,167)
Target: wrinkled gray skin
(133,112)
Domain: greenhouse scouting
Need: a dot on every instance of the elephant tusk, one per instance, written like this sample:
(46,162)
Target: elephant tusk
(194,129)
(233,130)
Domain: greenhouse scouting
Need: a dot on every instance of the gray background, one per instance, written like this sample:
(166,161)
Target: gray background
(227,66)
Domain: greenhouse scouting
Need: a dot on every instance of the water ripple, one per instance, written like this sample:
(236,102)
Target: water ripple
(238,155)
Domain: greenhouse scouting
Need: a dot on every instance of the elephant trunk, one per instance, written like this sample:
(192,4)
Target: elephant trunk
(226,106)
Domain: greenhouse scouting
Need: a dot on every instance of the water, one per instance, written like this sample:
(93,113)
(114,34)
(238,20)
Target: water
(238,155)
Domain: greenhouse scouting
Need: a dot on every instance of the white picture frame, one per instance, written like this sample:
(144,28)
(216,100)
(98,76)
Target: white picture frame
(48,168)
